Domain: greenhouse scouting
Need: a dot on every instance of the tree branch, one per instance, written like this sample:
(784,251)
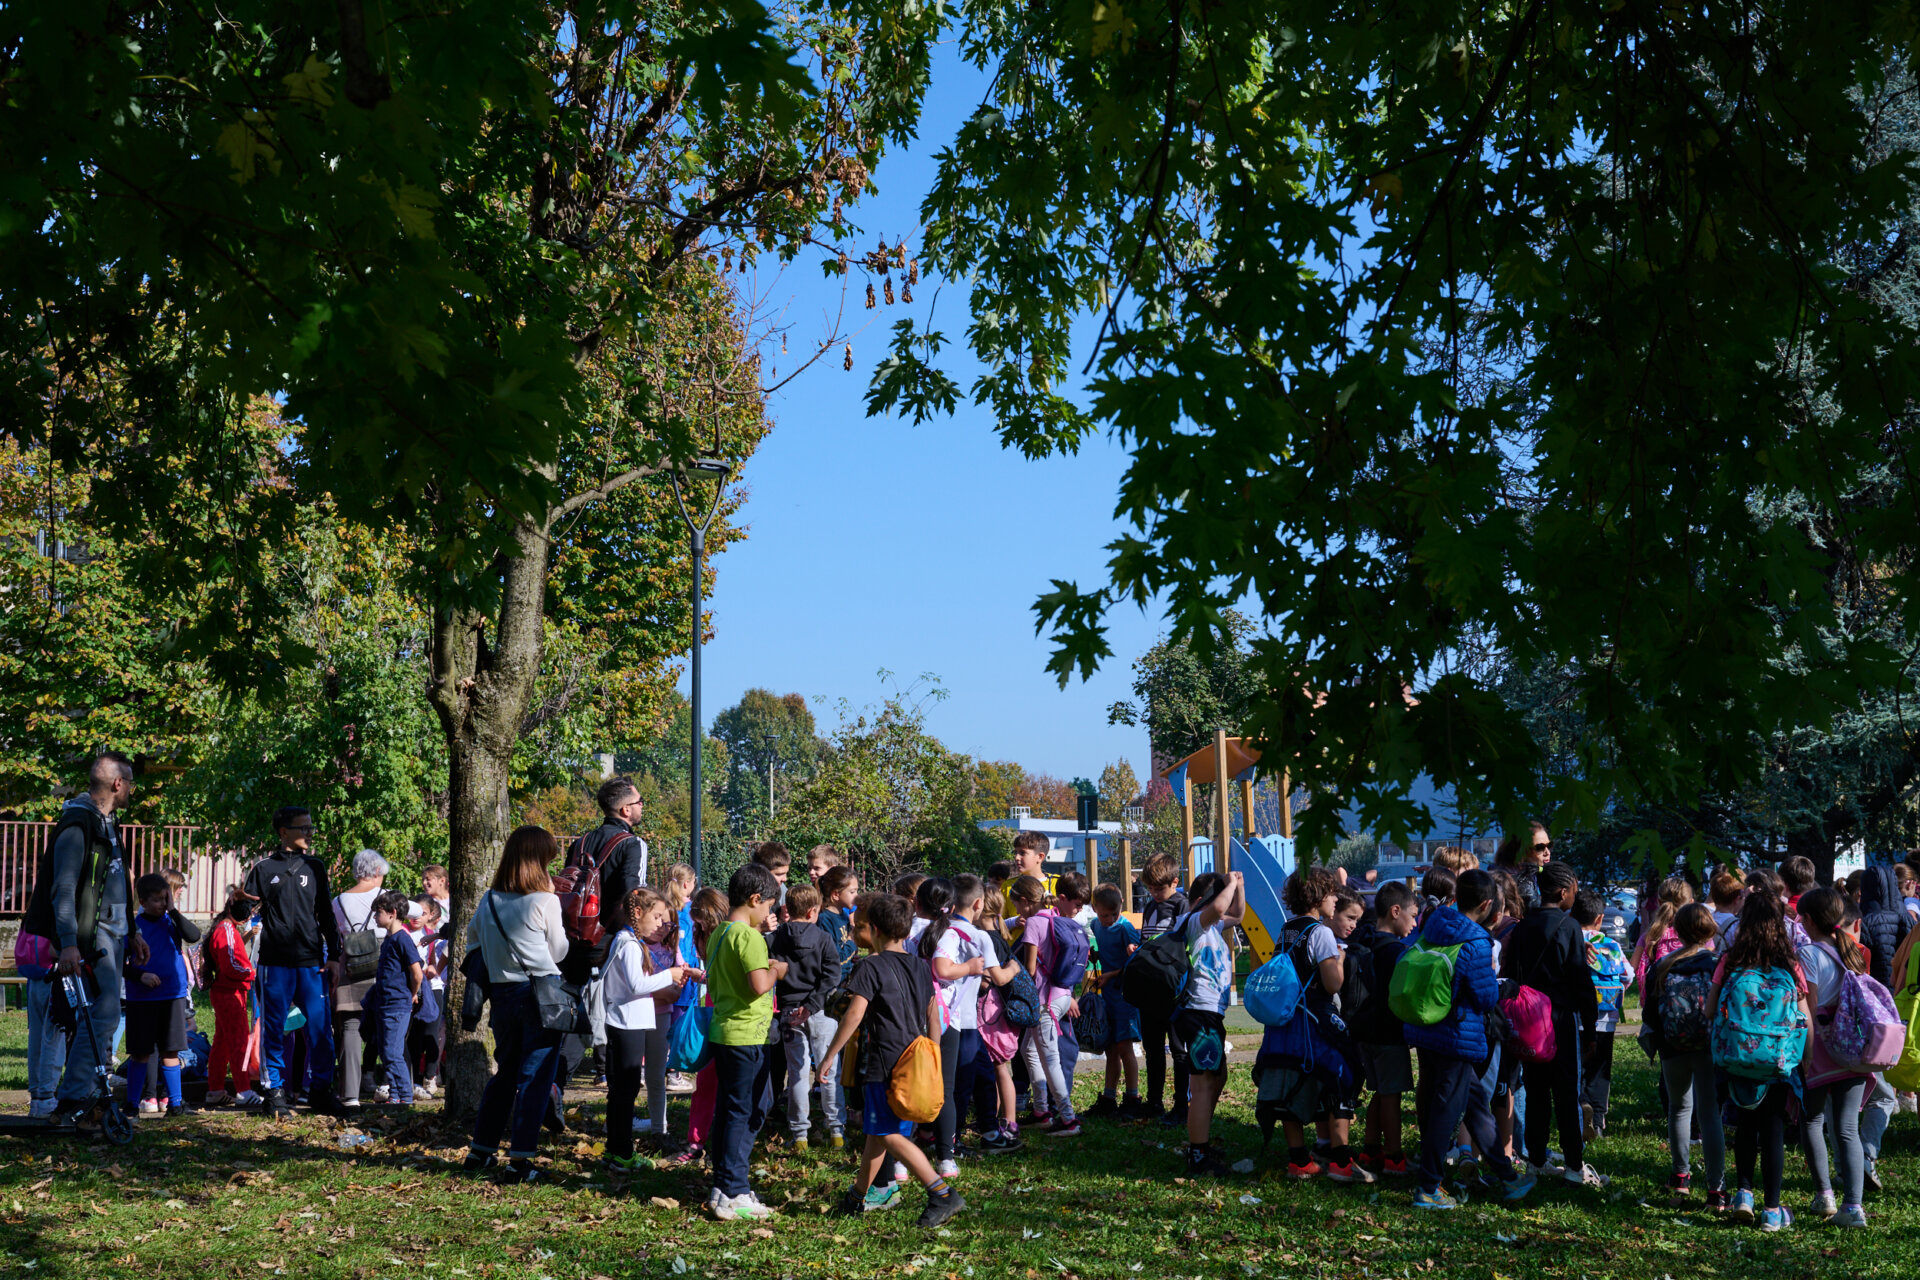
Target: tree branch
(599,491)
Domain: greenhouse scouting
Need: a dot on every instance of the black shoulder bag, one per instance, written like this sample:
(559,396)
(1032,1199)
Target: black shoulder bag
(557,1001)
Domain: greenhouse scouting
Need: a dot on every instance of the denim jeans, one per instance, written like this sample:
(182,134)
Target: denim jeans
(526,1058)
(388,1024)
(46,1043)
(1881,1104)
(1449,1092)
(77,1084)
(739,1109)
(281,989)
(806,1045)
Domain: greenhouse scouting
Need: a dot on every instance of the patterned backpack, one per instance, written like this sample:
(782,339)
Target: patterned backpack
(1686,995)
(1863,1031)
(1760,1033)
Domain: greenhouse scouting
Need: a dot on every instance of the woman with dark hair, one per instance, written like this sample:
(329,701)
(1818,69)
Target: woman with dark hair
(517,930)
(1524,853)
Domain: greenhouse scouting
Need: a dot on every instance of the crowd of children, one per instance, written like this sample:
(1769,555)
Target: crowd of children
(1491,996)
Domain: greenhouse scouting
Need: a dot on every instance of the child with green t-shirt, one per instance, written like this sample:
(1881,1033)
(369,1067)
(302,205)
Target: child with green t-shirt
(741,977)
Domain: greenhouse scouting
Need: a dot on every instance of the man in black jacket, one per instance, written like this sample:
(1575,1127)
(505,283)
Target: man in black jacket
(299,951)
(1548,952)
(82,902)
(622,858)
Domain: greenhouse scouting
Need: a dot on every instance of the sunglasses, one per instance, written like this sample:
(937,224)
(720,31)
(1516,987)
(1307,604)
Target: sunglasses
(1543,847)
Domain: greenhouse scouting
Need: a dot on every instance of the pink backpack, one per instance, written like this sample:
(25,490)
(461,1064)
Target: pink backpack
(996,1033)
(1863,1031)
(1530,1014)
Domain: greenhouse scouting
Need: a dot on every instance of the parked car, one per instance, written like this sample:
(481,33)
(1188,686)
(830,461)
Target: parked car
(1619,914)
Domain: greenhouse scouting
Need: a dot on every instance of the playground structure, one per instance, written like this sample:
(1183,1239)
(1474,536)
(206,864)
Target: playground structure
(1265,860)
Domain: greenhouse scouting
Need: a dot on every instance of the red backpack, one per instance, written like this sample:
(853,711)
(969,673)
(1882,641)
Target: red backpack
(578,886)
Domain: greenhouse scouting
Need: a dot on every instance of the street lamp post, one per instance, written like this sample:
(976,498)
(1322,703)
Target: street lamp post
(698,528)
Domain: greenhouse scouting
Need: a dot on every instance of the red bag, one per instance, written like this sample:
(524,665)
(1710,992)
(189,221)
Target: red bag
(578,887)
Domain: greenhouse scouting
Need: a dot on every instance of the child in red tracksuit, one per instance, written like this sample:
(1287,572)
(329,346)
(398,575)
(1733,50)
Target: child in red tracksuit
(230,968)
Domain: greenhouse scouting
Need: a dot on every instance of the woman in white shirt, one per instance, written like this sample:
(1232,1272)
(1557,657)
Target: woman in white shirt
(636,987)
(353,912)
(517,929)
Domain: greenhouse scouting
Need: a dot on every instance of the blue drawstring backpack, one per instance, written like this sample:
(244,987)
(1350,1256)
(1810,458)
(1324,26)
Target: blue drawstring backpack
(688,1049)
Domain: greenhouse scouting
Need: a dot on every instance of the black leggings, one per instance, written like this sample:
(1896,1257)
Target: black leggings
(1153,1038)
(1762,1129)
(957,1050)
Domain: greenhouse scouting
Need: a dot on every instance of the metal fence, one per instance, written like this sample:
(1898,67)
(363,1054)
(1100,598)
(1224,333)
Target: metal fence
(208,871)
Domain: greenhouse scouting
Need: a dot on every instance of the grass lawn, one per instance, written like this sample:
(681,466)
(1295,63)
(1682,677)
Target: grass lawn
(235,1196)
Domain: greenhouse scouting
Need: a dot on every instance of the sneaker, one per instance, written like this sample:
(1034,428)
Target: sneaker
(881,1197)
(1211,1164)
(479,1162)
(740,1208)
(1824,1205)
(149,1107)
(1175,1119)
(1589,1123)
(1742,1206)
(321,1102)
(1000,1143)
(215,1100)
(1777,1219)
(1348,1172)
(1871,1179)
(383,1093)
(41,1108)
(941,1208)
(1311,1169)
(947,1168)
(628,1164)
(1517,1187)
(679,1082)
(1068,1128)
(1396,1167)
(1435,1199)
(1148,1110)
(1547,1170)
(424,1089)
(1104,1105)
(519,1173)
(837,1140)
(1037,1119)
(1680,1187)
(1850,1215)
(248,1099)
(180,1109)
(798,1145)
(349,1106)
(1716,1202)
(1585,1176)
(642,1124)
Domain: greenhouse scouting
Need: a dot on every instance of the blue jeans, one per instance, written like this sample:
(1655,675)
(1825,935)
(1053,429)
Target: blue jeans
(527,1058)
(745,1097)
(77,1084)
(281,989)
(389,1022)
(46,1043)
(1451,1091)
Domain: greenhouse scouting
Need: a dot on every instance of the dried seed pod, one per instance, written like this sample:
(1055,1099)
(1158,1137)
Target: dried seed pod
(913,271)
(889,290)
(847,364)
(843,262)
(869,295)
(906,293)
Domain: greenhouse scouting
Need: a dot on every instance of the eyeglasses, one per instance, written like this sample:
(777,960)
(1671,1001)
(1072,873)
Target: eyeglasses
(1543,846)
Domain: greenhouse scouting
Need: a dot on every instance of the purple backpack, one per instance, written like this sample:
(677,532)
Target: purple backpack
(1863,1031)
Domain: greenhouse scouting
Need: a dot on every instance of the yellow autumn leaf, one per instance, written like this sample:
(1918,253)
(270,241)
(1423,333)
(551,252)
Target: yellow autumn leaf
(308,84)
(247,142)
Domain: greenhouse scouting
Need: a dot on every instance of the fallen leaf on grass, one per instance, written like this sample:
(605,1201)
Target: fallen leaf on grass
(94,1205)
(761,1233)
(664,1202)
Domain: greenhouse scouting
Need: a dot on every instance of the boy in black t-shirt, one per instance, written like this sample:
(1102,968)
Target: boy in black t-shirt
(1165,904)
(892,1000)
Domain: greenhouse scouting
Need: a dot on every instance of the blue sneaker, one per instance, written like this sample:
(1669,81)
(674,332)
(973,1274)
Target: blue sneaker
(1518,1187)
(1776,1219)
(879,1199)
(1742,1207)
(1435,1199)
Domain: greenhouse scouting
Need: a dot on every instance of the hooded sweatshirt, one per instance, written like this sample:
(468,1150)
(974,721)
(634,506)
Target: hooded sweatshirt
(1548,952)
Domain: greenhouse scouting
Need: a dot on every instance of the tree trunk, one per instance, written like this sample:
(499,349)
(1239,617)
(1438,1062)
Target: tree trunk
(1814,843)
(481,691)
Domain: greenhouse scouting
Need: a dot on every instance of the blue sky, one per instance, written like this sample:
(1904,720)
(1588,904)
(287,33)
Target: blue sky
(876,544)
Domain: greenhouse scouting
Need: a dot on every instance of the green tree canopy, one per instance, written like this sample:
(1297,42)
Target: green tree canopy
(771,749)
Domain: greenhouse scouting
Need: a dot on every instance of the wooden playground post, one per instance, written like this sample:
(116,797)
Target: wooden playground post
(1126,871)
(1286,804)
(1186,830)
(1222,826)
(1246,810)
(1093,861)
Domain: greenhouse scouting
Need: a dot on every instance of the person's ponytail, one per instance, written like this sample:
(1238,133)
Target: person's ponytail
(934,901)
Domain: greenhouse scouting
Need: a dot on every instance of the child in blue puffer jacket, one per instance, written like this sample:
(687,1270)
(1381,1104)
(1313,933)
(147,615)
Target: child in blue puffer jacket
(1453,1051)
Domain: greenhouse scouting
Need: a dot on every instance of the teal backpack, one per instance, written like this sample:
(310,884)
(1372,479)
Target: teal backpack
(1760,1033)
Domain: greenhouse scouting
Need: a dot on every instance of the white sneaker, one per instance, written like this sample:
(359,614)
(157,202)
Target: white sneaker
(424,1089)
(643,1124)
(382,1093)
(149,1107)
(1585,1176)
(679,1082)
(738,1208)
(947,1169)
(1824,1204)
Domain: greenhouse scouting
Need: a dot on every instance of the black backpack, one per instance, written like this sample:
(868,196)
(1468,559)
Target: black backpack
(360,950)
(1157,973)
